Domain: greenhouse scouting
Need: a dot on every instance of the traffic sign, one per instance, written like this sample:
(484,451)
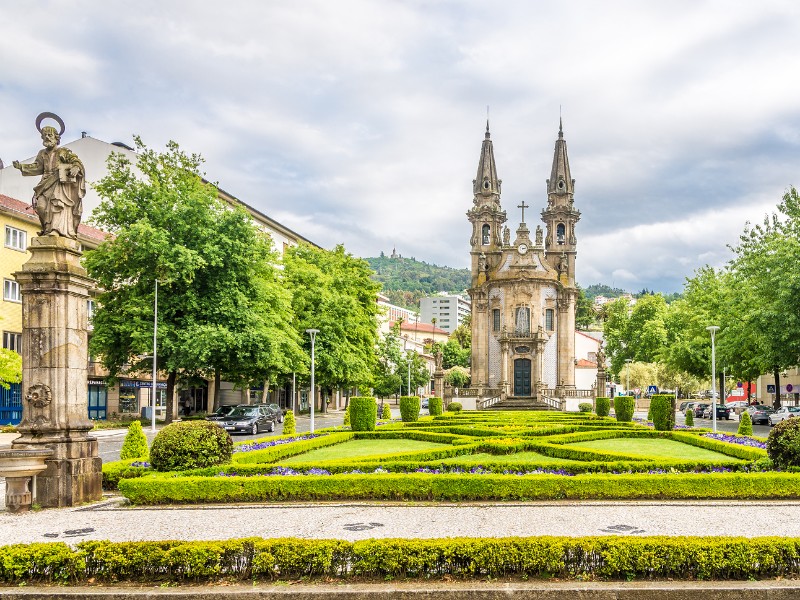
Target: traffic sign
(652,389)
(789,387)
(739,384)
(770,388)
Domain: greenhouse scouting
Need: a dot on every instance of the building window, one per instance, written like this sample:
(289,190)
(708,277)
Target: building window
(496,319)
(128,398)
(548,319)
(16,238)
(12,341)
(11,291)
(522,320)
(485,235)
(560,233)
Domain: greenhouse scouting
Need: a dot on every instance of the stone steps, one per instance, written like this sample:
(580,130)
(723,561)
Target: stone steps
(519,403)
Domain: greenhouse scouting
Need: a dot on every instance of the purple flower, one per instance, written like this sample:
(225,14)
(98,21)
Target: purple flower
(271,443)
(742,440)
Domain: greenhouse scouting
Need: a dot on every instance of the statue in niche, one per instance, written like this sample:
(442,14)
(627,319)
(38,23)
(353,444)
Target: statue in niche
(482,262)
(563,263)
(506,236)
(539,235)
(58,197)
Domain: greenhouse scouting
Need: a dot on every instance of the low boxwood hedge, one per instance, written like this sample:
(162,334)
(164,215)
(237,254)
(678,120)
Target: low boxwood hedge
(547,557)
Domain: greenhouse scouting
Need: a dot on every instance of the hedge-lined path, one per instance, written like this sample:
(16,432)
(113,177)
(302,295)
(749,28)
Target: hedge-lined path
(112,520)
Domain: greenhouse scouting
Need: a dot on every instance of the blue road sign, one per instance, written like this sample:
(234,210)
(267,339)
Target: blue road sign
(652,389)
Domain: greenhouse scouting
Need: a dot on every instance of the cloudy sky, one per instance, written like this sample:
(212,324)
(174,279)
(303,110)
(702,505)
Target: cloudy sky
(360,122)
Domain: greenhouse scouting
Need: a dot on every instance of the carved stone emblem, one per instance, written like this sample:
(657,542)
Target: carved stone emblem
(39,395)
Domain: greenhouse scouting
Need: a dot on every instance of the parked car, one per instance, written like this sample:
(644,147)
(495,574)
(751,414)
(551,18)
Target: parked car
(275,410)
(699,407)
(759,414)
(248,419)
(220,413)
(723,412)
(682,405)
(424,403)
(689,406)
(784,412)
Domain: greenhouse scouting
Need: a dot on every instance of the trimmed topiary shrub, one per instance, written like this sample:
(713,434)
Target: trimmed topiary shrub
(783,443)
(289,423)
(745,424)
(602,406)
(585,407)
(387,412)
(363,413)
(690,418)
(135,444)
(662,412)
(346,422)
(434,406)
(190,445)
(455,407)
(409,408)
(624,407)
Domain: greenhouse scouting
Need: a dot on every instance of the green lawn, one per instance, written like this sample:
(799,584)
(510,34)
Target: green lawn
(482,458)
(652,447)
(358,448)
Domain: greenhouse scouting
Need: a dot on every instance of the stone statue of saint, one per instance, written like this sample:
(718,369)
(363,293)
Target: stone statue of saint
(601,357)
(58,197)
(539,235)
(506,236)
(563,263)
(438,358)
(482,262)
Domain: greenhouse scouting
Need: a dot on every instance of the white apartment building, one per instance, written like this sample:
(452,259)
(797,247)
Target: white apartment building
(449,311)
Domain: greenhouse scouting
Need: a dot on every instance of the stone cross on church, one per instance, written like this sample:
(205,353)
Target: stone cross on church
(523,206)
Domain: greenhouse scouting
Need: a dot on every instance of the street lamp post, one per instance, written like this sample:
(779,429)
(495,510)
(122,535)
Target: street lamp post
(155,369)
(713,329)
(409,373)
(628,375)
(313,334)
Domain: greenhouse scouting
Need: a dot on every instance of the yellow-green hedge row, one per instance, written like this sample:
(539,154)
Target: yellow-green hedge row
(607,557)
(155,489)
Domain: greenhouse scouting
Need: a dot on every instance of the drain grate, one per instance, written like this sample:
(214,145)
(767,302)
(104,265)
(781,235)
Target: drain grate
(622,529)
(361,526)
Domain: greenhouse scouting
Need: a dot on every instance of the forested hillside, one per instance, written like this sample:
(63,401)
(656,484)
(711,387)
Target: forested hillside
(406,280)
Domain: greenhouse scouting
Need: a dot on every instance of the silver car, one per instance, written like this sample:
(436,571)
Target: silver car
(783,413)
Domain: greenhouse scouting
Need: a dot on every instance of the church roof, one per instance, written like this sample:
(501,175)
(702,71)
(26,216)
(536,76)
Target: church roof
(486,182)
(560,171)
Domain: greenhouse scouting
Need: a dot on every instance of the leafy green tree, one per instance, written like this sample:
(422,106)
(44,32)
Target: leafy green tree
(765,257)
(585,315)
(220,306)
(454,355)
(386,380)
(10,367)
(332,291)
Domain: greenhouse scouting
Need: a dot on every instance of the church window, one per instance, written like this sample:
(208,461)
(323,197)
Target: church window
(486,184)
(522,320)
(548,319)
(496,319)
(560,233)
(485,235)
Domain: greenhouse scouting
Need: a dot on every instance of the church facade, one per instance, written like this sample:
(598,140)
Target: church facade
(523,290)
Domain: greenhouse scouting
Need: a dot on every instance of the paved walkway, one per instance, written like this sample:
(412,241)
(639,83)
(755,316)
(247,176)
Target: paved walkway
(114,520)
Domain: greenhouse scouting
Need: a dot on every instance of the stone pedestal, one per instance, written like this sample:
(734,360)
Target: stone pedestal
(55,288)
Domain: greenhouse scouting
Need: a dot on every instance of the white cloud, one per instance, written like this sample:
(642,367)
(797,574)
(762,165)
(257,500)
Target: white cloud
(361,122)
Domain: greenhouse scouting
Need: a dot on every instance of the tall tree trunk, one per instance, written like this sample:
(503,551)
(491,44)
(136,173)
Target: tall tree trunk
(749,395)
(170,414)
(265,392)
(722,388)
(217,385)
(776,404)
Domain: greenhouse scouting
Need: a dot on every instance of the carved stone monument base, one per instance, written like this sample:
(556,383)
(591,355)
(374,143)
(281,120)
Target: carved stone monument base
(55,290)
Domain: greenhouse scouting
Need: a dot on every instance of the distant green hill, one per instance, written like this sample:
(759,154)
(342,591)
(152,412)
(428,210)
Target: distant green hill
(406,280)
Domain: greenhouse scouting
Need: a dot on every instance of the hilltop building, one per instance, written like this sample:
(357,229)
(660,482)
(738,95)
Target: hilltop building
(523,290)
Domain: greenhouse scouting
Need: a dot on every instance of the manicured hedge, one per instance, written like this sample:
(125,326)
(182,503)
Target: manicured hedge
(274,453)
(547,557)
(662,410)
(363,413)
(409,408)
(434,406)
(624,407)
(602,406)
(457,487)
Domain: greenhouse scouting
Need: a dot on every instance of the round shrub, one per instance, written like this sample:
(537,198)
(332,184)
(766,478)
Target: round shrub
(455,407)
(190,445)
(289,423)
(135,444)
(602,406)
(585,407)
(690,418)
(434,406)
(624,407)
(783,443)
(409,408)
(363,413)
(662,411)
(387,412)
(745,424)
